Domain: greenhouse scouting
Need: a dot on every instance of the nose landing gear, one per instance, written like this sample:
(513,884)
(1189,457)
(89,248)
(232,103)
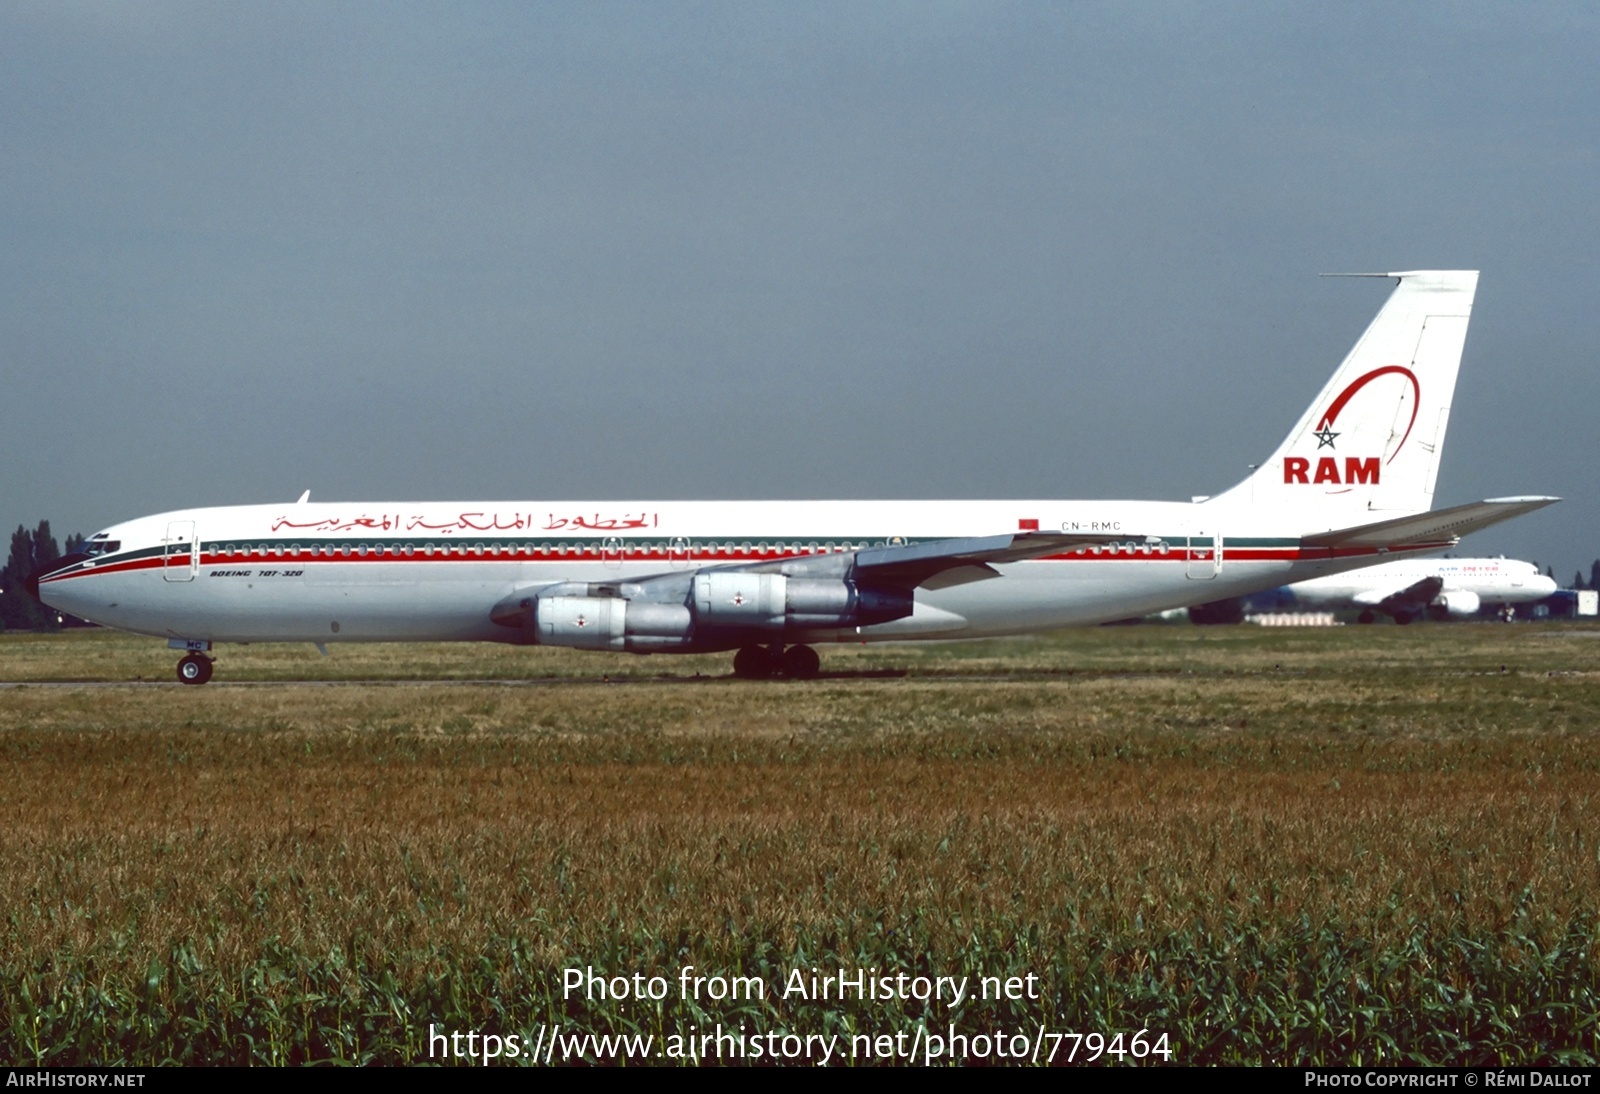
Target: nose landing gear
(194,669)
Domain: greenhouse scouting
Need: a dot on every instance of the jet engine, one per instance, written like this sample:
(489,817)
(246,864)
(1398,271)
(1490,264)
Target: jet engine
(717,609)
(609,623)
(774,602)
(1455,604)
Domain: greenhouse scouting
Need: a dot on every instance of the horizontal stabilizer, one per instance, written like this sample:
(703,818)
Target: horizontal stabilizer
(913,564)
(1443,526)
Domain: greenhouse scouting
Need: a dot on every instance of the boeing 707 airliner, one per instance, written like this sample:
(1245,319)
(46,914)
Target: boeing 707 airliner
(1351,486)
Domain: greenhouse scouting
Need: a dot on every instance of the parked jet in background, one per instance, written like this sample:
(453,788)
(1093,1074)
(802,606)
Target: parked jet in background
(1444,588)
(1351,486)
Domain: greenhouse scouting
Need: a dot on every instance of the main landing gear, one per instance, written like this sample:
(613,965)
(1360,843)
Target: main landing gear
(194,669)
(762,662)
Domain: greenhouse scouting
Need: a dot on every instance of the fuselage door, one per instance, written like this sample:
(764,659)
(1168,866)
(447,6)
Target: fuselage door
(1203,558)
(611,551)
(181,559)
(678,552)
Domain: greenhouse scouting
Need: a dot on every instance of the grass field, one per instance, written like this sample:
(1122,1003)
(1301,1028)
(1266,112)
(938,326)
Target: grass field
(1352,845)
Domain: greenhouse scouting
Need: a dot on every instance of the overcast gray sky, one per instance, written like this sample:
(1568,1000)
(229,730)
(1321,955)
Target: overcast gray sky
(545,251)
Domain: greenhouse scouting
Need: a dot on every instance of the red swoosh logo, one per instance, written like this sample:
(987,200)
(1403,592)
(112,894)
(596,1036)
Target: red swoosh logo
(1360,382)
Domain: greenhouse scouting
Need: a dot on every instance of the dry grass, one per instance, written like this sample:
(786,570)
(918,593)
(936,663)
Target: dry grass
(1203,831)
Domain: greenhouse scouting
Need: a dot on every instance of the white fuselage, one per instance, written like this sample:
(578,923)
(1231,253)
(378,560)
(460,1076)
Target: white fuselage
(433,570)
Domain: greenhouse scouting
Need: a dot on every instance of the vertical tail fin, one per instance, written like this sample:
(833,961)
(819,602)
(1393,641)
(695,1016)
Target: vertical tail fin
(1370,444)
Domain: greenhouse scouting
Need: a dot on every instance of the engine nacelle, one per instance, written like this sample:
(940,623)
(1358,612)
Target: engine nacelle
(715,610)
(610,623)
(775,602)
(739,598)
(1458,603)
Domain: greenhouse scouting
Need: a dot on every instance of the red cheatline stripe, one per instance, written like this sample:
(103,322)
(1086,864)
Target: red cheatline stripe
(113,568)
(1234,554)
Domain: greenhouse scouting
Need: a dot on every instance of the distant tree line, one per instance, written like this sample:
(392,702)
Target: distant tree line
(29,551)
(1594,577)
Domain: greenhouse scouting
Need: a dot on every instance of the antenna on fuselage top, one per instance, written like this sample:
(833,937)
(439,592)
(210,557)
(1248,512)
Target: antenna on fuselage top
(304,498)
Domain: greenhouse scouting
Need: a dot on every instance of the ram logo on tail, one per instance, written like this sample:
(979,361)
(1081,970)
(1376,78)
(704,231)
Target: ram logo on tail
(1356,470)
(1370,442)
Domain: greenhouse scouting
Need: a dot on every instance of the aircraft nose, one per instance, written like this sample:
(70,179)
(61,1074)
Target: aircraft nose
(31,583)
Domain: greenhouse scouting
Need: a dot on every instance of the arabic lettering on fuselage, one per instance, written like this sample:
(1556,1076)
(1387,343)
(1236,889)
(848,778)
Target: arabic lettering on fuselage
(597,523)
(472,522)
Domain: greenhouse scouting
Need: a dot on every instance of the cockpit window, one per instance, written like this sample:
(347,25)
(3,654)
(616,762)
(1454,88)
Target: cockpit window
(97,546)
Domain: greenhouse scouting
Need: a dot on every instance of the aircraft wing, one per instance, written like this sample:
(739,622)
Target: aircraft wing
(935,564)
(1444,526)
(911,565)
(1416,594)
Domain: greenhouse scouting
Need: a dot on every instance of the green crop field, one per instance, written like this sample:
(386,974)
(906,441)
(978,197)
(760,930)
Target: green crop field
(1348,845)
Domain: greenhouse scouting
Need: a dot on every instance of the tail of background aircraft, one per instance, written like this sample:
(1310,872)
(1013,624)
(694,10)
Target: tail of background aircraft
(1368,448)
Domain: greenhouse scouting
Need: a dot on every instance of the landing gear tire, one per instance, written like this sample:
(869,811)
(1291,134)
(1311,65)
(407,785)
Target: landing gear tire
(1366,617)
(194,669)
(754,663)
(801,663)
(1402,618)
